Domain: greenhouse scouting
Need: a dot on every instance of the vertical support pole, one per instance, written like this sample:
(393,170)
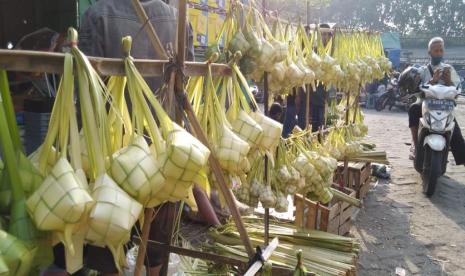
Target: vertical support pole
(266,107)
(357,104)
(307,105)
(213,162)
(326,94)
(346,162)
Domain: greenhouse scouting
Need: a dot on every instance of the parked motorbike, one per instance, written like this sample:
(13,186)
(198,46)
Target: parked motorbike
(394,97)
(435,132)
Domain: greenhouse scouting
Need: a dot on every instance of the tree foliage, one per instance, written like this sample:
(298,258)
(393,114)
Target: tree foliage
(408,17)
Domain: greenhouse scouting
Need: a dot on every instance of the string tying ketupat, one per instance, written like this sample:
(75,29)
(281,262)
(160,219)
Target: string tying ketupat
(137,171)
(17,256)
(112,217)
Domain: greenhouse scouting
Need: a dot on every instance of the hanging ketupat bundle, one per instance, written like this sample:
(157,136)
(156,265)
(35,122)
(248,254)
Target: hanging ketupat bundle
(181,156)
(134,167)
(62,201)
(230,149)
(115,212)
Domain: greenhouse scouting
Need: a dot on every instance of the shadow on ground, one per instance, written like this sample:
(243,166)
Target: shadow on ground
(384,231)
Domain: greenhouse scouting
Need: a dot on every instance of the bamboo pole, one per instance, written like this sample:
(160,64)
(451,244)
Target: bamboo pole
(150,30)
(160,51)
(48,62)
(214,164)
(266,107)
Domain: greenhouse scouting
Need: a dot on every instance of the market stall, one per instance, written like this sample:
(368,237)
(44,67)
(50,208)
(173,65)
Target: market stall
(216,137)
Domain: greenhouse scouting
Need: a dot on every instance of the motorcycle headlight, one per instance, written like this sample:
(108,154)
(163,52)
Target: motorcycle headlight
(438,125)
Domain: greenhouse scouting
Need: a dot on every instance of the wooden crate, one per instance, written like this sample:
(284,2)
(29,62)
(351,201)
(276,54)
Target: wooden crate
(359,177)
(334,217)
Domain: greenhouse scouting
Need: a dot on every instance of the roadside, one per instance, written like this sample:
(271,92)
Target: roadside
(398,226)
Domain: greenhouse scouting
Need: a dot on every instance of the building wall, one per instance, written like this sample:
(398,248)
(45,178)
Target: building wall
(21,17)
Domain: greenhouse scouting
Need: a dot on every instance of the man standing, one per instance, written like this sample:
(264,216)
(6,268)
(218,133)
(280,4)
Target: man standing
(297,102)
(437,72)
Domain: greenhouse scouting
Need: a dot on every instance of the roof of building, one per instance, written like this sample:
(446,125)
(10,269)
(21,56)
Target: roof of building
(451,52)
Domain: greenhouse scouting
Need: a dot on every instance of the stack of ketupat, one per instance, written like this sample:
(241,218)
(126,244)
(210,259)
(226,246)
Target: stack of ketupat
(89,186)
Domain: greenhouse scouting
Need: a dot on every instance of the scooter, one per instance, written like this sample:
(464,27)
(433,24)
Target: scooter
(434,134)
(394,97)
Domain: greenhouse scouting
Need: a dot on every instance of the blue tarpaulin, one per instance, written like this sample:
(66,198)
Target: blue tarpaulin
(390,40)
(391,44)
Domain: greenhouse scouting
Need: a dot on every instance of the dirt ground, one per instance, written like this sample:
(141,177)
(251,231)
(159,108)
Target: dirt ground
(398,226)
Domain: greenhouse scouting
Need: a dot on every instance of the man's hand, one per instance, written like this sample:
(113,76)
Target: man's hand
(436,76)
(446,77)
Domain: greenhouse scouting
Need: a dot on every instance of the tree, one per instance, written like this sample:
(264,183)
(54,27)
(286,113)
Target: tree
(294,10)
(440,17)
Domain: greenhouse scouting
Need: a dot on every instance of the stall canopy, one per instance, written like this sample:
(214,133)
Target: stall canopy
(391,44)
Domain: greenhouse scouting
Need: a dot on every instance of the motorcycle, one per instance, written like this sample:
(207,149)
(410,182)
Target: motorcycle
(434,134)
(394,97)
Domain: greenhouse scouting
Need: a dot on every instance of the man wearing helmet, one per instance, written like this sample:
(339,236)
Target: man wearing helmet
(436,72)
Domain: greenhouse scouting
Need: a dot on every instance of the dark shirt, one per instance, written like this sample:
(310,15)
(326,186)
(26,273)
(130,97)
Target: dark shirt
(318,98)
(108,21)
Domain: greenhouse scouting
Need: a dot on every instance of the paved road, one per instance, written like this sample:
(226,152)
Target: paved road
(399,226)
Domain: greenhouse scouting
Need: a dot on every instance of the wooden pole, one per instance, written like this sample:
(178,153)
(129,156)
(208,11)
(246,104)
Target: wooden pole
(357,104)
(216,169)
(266,107)
(148,218)
(346,160)
(48,62)
(214,164)
(150,30)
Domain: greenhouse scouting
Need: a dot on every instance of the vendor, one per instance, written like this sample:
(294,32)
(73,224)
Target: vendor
(103,26)
(297,103)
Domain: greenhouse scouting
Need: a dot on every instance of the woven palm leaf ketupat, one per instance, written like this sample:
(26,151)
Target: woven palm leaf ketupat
(115,212)
(17,255)
(62,201)
(181,157)
(112,218)
(271,131)
(241,122)
(137,172)
(4,271)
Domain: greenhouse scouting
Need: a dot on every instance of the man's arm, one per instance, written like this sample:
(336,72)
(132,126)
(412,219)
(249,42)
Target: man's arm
(454,77)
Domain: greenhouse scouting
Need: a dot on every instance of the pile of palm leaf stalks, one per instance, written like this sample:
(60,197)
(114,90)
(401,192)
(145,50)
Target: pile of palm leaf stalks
(370,154)
(324,253)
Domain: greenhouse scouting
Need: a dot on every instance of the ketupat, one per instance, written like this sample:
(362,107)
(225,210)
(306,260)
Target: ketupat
(4,270)
(16,254)
(136,170)
(109,198)
(180,156)
(112,218)
(62,200)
